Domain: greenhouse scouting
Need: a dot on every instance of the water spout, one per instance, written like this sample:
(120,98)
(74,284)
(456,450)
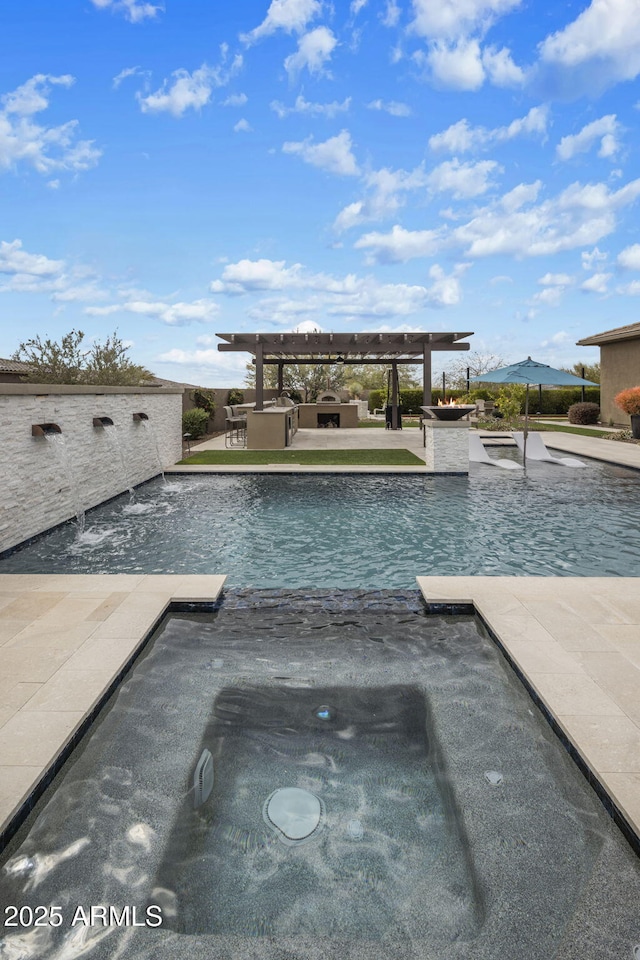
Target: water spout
(44,429)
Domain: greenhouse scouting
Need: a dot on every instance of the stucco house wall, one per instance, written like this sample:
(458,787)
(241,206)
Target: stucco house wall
(619,367)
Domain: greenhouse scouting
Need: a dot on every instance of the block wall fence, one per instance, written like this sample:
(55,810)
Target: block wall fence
(45,481)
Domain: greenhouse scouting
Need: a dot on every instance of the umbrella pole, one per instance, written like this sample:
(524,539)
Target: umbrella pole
(526,424)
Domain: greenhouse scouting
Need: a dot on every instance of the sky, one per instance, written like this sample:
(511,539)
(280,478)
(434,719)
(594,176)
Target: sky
(172,170)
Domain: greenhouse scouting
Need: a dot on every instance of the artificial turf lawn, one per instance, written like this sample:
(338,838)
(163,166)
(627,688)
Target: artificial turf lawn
(366,458)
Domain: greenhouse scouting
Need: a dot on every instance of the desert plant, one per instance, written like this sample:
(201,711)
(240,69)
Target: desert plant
(235,396)
(583,413)
(355,388)
(629,401)
(205,400)
(195,422)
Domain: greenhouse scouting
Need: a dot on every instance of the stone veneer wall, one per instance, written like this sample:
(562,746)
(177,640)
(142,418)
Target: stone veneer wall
(44,483)
(446,446)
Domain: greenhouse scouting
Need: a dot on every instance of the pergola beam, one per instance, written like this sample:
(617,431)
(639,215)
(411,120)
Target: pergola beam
(325,349)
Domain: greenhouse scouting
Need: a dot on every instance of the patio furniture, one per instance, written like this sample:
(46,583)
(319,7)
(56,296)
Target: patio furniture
(235,429)
(478,454)
(536,450)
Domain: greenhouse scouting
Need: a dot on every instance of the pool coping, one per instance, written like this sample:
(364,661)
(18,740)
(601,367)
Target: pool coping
(574,641)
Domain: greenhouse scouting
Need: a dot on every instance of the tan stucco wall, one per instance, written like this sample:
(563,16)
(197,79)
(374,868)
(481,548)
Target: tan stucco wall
(620,369)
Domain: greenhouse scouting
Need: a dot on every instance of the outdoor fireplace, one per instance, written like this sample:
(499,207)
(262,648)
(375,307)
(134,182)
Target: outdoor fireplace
(329,420)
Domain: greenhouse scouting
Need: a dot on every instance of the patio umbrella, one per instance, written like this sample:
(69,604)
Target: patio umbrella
(530,372)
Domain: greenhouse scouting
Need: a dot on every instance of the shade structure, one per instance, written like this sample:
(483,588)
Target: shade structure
(531,372)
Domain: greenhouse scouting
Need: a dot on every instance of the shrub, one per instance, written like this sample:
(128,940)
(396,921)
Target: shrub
(583,413)
(235,396)
(205,400)
(195,422)
(295,395)
(629,401)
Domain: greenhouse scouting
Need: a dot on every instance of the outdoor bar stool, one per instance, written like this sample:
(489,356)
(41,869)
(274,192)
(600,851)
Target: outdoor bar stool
(235,429)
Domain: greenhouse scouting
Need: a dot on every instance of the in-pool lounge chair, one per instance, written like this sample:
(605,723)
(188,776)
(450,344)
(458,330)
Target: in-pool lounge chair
(537,450)
(478,454)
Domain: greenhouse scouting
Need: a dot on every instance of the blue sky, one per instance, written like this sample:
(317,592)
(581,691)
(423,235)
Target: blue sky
(172,170)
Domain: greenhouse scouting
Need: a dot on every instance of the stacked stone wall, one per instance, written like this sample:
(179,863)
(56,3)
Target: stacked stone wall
(46,480)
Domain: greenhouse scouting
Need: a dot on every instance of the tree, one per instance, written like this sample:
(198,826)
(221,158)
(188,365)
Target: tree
(104,364)
(373,376)
(591,371)
(478,363)
(309,379)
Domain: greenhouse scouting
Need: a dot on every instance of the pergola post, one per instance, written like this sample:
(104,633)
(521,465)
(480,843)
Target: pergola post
(394,396)
(280,376)
(426,375)
(259,378)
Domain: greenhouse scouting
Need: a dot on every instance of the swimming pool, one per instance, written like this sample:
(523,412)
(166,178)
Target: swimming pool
(477,836)
(357,531)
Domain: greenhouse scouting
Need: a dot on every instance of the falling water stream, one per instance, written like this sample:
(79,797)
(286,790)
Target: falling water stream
(154,439)
(111,433)
(57,443)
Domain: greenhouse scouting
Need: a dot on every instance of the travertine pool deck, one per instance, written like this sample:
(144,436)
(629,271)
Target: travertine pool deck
(64,638)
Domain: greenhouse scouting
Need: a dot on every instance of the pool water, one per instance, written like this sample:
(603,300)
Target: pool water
(351,531)
(477,835)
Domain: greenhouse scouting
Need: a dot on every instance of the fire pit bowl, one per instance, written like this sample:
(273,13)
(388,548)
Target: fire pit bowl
(450,411)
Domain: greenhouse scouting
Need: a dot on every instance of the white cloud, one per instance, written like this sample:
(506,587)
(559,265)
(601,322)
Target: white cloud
(301,105)
(127,72)
(399,245)
(630,289)
(463,180)
(314,50)
(357,6)
(174,314)
(555,280)
(451,19)
(15,260)
(501,69)
(392,107)
(134,10)
(44,148)
(515,225)
(103,311)
(386,194)
(597,283)
(350,216)
(292,16)
(190,91)
(310,296)
(251,275)
(580,215)
(606,130)
(235,100)
(242,126)
(333,155)
(599,48)
(461,137)
(589,260)
(391,14)
(554,286)
(629,258)
(458,65)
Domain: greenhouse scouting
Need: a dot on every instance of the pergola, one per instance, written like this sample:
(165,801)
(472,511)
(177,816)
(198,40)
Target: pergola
(390,349)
